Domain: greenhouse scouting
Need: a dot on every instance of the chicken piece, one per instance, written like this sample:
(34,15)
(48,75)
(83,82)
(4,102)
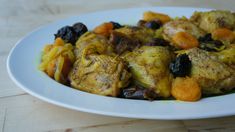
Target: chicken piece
(149,68)
(228,55)
(91,43)
(97,69)
(181,25)
(99,74)
(213,76)
(211,20)
(122,43)
(57,60)
(139,34)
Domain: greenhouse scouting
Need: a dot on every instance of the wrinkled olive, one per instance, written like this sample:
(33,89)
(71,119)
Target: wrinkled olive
(67,34)
(136,92)
(70,34)
(80,28)
(205,38)
(181,66)
(208,44)
(153,24)
(116,25)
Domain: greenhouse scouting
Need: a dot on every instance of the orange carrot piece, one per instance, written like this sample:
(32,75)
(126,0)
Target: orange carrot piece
(185,40)
(149,16)
(59,42)
(186,89)
(223,34)
(104,29)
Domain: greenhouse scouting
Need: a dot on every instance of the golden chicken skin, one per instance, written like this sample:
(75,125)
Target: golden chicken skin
(181,25)
(96,69)
(149,68)
(213,75)
(211,20)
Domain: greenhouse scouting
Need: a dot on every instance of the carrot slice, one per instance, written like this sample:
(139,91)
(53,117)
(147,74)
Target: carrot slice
(185,40)
(104,29)
(149,16)
(50,69)
(186,89)
(223,34)
(59,42)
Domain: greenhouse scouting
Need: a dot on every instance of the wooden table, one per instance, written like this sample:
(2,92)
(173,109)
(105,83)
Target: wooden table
(20,112)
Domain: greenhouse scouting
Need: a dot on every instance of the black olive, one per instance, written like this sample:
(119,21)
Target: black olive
(181,66)
(68,34)
(116,25)
(205,38)
(212,45)
(157,42)
(79,28)
(137,92)
(208,44)
(153,24)
(133,93)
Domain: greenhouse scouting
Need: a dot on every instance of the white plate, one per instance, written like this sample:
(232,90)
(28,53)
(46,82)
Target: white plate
(24,59)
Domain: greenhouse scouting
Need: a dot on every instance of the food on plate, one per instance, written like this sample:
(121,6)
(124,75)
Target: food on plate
(209,44)
(99,74)
(176,26)
(91,43)
(140,34)
(182,85)
(227,55)
(159,58)
(70,34)
(181,66)
(224,35)
(213,75)
(184,40)
(104,29)
(149,16)
(212,20)
(57,60)
(98,70)
(122,43)
(138,92)
(149,68)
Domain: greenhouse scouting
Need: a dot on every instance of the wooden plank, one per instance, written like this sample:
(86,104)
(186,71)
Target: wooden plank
(26,113)
(130,126)
(2,118)
(215,124)
(7,44)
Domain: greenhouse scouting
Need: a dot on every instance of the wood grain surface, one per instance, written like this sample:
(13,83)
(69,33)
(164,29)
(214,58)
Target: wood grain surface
(20,112)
